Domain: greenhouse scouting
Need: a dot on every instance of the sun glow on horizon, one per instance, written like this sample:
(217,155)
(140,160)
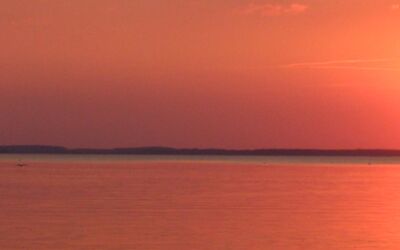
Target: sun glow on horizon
(234,74)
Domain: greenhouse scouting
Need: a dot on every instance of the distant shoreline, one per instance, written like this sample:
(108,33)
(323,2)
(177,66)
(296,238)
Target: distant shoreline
(43,149)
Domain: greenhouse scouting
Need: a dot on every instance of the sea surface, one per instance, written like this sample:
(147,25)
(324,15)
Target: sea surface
(199,203)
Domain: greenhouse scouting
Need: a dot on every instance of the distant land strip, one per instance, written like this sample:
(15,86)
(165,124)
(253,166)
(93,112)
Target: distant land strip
(43,149)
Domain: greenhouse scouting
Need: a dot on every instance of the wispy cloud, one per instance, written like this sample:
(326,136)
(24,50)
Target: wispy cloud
(335,62)
(356,64)
(395,7)
(269,10)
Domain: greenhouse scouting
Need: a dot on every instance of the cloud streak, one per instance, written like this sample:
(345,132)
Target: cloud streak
(270,10)
(347,64)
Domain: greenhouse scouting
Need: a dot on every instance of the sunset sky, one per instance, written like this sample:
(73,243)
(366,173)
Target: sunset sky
(204,73)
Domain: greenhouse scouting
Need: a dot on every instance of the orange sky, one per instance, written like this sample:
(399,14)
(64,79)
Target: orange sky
(233,74)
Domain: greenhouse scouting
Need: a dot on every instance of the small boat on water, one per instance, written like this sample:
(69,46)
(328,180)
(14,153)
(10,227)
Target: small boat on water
(21,164)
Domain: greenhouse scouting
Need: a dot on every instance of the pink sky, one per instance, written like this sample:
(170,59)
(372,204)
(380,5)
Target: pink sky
(232,74)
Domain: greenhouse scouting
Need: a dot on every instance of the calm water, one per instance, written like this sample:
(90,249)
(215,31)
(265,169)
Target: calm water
(143,203)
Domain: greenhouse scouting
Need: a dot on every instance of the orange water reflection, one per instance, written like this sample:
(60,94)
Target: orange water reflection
(199,206)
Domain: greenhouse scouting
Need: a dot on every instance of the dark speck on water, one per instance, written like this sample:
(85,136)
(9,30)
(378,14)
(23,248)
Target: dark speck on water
(203,203)
(21,164)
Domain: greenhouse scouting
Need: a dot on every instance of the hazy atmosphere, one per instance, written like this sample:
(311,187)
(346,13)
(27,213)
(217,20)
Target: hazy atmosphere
(200,124)
(231,74)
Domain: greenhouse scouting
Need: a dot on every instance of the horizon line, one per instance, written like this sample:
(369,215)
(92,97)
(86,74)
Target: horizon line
(199,148)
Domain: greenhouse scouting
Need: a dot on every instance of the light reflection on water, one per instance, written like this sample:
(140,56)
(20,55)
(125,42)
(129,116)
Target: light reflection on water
(166,204)
(200,158)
